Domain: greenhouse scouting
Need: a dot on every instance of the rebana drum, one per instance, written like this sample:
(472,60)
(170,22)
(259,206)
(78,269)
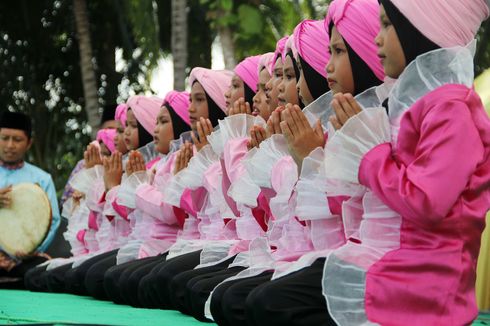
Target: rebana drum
(25,224)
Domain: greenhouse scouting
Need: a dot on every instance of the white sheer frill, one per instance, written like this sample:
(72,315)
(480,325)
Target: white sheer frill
(77,220)
(344,279)
(427,73)
(345,150)
(216,142)
(261,163)
(191,177)
(311,199)
(320,109)
(85,178)
(126,195)
(238,126)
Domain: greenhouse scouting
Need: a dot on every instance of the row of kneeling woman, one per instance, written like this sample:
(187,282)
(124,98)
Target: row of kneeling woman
(341,179)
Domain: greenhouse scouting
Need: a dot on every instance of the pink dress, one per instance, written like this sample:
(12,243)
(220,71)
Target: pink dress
(427,195)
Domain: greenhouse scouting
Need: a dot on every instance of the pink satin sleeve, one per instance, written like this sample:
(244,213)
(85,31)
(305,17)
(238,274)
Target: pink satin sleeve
(446,155)
(150,201)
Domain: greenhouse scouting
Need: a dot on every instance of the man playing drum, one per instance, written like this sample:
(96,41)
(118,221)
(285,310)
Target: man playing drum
(15,141)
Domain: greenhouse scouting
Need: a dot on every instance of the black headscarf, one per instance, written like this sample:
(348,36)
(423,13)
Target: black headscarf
(296,72)
(214,111)
(16,120)
(413,42)
(317,84)
(364,77)
(178,124)
(249,94)
(144,136)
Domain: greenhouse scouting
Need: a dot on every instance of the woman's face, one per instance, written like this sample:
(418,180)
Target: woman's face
(302,86)
(272,86)
(131,138)
(235,91)
(260,105)
(164,132)
(390,49)
(119,139)
(199,104)
(287,89)
(339,71)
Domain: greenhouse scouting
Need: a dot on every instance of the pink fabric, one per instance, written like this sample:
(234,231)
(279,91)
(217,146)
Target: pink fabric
(214,82)
(266,61)
(247,70)
(179,101)
(121,113)
(107,136)
(145,109)
(446,23)
(311,42)
(280,45)
(81,235)
(288,47)
(358,23)
(92,221)
(437,180)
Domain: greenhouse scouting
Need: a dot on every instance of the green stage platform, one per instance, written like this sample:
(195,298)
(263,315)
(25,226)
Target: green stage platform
(24,308)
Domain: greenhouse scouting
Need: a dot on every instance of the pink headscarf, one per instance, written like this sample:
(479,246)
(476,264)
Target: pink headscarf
(447,23)
(288,47)
(280,45)
(358,23)
(145,109)
(311,42)
(266,61)
(179,101)
(247,70)
(121,113)
(107,136)
(214,82)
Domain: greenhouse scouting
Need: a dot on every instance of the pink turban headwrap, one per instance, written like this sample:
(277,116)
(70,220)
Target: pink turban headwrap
(358,23)
(121,113)
(311,42)
(179,101)
(214,82)
(145,109)
(280,45)
(107,136)
(447,23)
(266,61)
(247,70)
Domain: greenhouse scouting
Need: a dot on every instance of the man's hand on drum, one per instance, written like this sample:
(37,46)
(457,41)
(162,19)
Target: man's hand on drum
(6,263)
(5,197)
(113,170)
(92,156)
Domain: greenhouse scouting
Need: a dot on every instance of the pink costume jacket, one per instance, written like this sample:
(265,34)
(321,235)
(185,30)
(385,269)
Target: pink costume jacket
(427,195)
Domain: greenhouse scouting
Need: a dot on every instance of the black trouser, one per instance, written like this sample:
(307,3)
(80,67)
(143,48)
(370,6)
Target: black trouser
(228,300)
(55,278)
(121,281)
(199,288)
(75,277)
(178,285)
(14,279)
(294,300)
(34,279)
(154,289)
(94,278)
